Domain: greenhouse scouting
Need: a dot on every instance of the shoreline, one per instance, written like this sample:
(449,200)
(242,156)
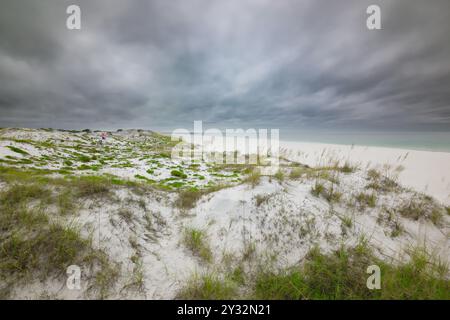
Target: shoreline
(368,145)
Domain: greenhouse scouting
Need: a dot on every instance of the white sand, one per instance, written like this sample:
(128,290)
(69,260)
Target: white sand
(285,225)
(424,171)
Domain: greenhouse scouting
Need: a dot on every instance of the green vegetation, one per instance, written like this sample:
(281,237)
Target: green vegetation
(66,202)
(397,229)
(188,198)
(33,245)
(19,194)
(262,198)
(83,154)
(342,275)
(253,178)
(317,189)
(421,208)
(196,241)
(84,158)
(296,173)
(141,177)
(177,173)
(346,168)
(347,221)
(18,150)
(279,175)
(373,174)
(389,218)
(208,287)
(380,183)
(365,199)
(330,194)
(37,240)
(91,186)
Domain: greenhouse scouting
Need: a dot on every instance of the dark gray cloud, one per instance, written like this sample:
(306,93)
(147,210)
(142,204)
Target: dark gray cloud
(285,64)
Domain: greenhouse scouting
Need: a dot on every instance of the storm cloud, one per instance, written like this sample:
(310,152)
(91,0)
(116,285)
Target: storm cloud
(235,63)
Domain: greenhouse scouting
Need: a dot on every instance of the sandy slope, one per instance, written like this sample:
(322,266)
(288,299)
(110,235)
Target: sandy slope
(424,171)
(282,227)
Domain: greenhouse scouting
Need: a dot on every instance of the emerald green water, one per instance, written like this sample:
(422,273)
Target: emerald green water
(430,141)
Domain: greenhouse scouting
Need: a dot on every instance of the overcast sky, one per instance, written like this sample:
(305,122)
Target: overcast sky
(308,64)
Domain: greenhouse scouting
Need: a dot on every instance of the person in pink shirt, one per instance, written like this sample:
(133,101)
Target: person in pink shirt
(103,137)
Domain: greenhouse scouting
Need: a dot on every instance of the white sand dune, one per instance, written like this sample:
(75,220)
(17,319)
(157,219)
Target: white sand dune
(424,171)
(283,225)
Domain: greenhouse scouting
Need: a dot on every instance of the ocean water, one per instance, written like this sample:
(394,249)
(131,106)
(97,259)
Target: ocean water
(429,141)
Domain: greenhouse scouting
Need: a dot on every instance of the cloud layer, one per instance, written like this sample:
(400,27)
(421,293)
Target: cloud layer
(236,63)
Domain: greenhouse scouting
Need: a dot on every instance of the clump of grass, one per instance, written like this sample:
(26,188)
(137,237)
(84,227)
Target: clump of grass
(125,214)
(17,150)
(105,276)
(237,275)
(52,249)
(177,184)
(84,167)
(188,198)
(347,221)
(83,158)
(261,198)
(342,275)
(421,208)
(91,186)
(365,199)
(379,182)
(295,173)
(137,277)
(346,168)
(397,229)
(330,194)
(178,173)
(207,287)
(141,177)
(253,178)
(33,246)
(65,202)
(389,218)
(317,189)
(163,155)
(196,241)
(279,175)
(20,193)
(373,174)
(30,175)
